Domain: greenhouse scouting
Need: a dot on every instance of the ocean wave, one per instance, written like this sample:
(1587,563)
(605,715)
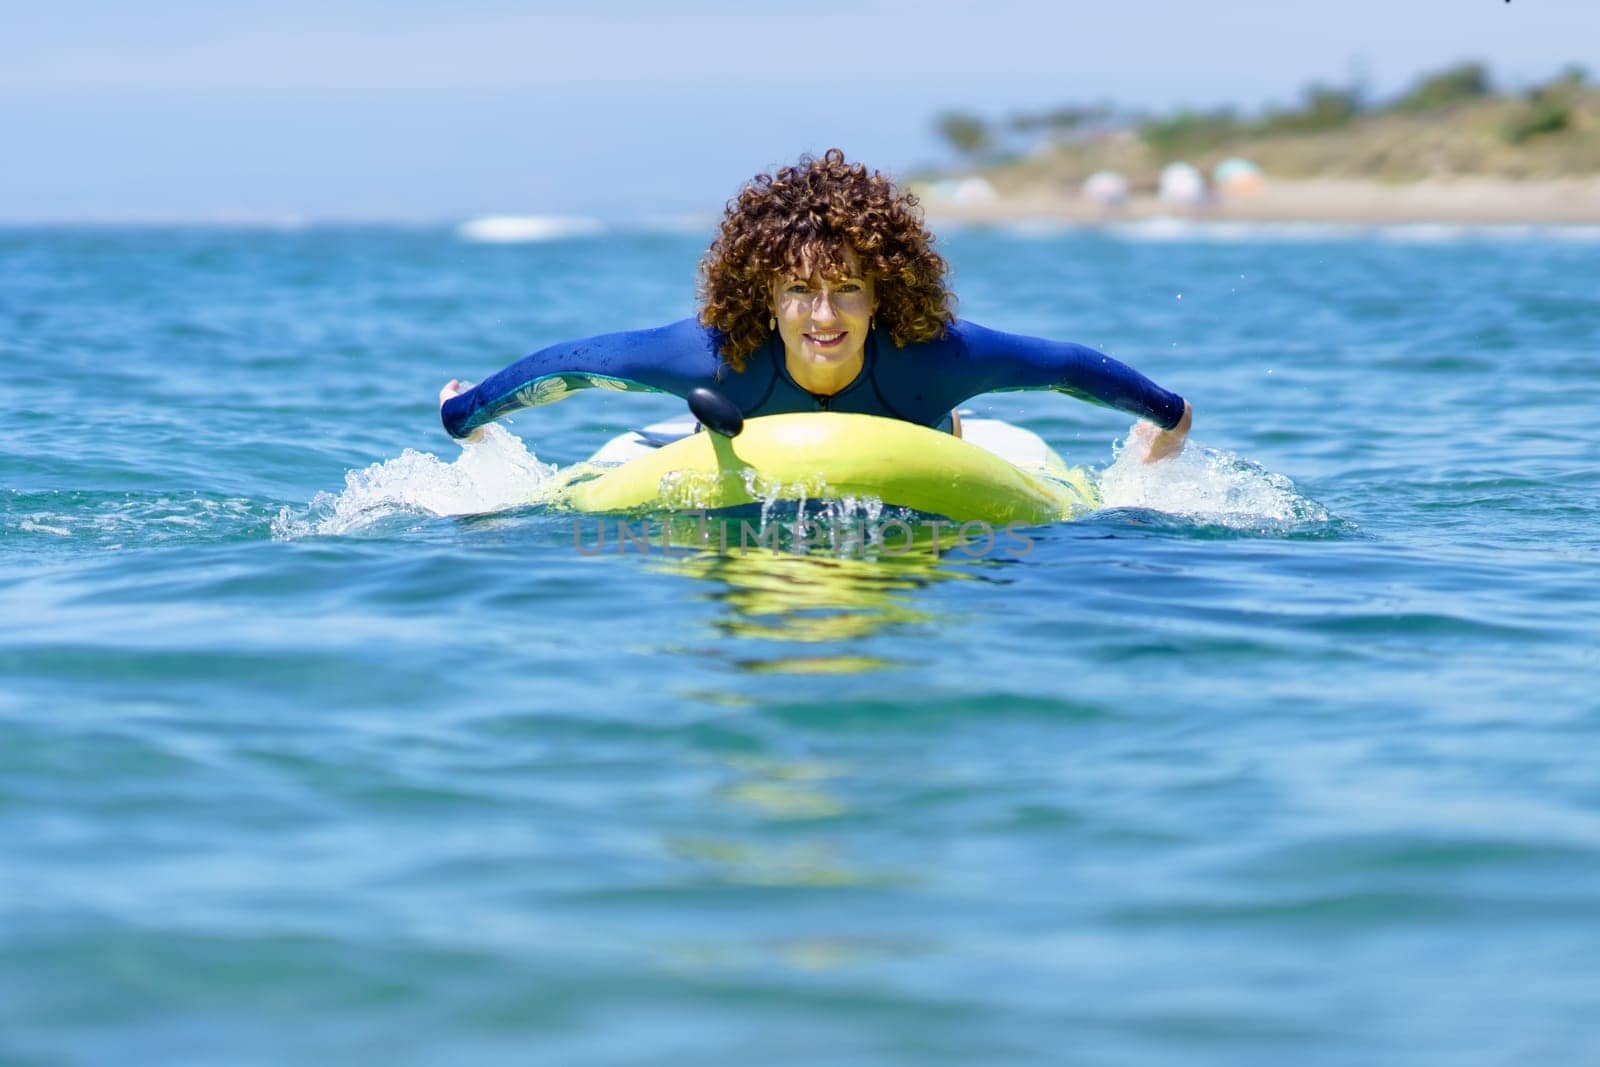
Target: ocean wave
(1175,230)
(521,229)
(116,520)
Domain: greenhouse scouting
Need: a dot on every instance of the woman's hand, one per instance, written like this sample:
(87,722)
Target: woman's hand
(1167,443)
(455,387)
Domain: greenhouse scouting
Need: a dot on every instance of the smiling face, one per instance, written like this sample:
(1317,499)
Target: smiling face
(824,324)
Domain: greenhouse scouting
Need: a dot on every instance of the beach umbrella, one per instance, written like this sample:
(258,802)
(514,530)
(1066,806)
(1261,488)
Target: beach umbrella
(1181,183)
(1237,177)
(1106,187)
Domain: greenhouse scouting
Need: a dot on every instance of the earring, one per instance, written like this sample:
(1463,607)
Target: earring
(872,321)
(772,322)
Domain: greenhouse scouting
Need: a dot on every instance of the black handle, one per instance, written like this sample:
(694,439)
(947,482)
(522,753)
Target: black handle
(716,412)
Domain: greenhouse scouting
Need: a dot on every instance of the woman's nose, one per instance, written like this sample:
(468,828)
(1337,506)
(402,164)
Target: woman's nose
(822,305)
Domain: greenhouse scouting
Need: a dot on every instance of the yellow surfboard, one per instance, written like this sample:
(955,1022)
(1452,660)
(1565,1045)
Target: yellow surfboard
(829,455)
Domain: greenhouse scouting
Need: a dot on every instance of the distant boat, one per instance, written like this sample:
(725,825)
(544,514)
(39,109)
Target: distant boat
(516,229)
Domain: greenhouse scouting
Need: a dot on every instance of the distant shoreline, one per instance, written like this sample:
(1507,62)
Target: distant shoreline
(1461,201)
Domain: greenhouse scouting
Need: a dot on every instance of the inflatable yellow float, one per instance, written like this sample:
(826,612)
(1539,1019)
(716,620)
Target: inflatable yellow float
(995,472)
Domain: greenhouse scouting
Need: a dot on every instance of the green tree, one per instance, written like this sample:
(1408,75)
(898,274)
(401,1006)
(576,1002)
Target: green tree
(1548,108)
(1453,85)
(1325,108)
(968,134)
(1060,119)
(1190,131)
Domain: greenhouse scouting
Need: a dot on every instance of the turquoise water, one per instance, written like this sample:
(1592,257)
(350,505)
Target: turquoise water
(312,744)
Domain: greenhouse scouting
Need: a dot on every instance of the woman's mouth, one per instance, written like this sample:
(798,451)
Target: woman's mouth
(826,340)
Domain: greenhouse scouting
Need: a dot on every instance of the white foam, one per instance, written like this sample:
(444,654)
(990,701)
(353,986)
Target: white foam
(1208,486)
(1422,233)
(493,473)
(1168,229)
(1172,230)
(1578,234)
(517,229)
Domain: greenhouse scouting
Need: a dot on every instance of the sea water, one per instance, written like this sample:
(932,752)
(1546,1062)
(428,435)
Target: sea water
(318,742)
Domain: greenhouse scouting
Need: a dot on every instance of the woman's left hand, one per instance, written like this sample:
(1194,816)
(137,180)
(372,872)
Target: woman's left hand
(455,387)
(1167,443)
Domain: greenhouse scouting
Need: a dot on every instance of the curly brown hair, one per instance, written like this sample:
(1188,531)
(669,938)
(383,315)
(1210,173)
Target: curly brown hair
(813,215)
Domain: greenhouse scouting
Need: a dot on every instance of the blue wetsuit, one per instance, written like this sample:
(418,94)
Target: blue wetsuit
(919,383)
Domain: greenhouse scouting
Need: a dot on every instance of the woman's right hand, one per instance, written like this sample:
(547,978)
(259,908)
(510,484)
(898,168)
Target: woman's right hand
(1164,444)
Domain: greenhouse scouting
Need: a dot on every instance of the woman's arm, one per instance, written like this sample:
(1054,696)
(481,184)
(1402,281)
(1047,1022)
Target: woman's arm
(670,359)
(1002,361)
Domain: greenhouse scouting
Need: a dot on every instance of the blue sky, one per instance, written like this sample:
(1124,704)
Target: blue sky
(433,111)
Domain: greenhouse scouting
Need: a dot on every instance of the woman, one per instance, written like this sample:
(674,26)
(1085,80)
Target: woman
(822,292)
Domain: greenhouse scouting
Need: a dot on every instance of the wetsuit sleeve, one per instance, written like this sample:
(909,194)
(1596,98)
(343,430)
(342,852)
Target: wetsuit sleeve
(671,359)
(1003,361)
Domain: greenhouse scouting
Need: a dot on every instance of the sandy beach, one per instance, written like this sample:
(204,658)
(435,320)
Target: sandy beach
(1463,201)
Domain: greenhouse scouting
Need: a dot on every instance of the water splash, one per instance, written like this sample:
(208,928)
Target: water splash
(1202,486)
(1210,487)
(493,473)
(848,526)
